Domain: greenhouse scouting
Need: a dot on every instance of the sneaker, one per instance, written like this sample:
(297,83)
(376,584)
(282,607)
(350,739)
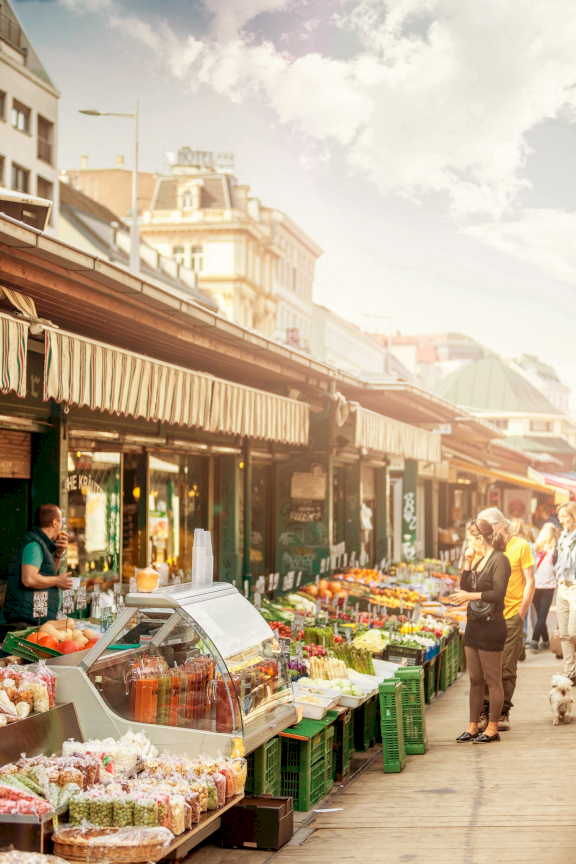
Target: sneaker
(534,648)
(545,646)
(504,722)
(483,719)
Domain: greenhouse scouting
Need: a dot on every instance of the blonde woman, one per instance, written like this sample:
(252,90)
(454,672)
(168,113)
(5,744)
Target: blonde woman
(545,583)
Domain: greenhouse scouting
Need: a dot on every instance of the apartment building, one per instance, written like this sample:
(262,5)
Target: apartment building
(28,116)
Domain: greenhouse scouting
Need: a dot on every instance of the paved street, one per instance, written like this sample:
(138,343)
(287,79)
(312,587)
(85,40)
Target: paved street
(505,803)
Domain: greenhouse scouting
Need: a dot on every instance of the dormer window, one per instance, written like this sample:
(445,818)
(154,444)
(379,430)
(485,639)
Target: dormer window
(178,254)
(187,201)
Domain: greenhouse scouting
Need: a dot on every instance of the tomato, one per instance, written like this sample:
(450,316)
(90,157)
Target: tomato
(48,641)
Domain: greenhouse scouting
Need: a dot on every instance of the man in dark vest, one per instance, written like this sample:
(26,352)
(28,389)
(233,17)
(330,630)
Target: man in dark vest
(34,567)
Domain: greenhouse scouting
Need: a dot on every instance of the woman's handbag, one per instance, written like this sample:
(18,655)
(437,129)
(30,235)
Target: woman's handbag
(556,644)
(479,610)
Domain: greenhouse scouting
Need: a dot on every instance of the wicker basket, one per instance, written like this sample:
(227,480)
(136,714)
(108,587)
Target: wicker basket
(104,844)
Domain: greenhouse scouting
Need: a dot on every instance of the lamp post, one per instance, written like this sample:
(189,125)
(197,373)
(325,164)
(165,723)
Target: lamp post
(134,232)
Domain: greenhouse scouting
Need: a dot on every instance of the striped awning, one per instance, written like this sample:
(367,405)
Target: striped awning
(385,435)
(241,410)
(85,373)
(13,350)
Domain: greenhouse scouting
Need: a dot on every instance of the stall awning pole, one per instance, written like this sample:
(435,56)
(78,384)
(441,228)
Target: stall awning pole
(13,352)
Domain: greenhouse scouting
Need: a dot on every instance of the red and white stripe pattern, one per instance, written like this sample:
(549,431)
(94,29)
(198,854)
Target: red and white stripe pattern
(13,350)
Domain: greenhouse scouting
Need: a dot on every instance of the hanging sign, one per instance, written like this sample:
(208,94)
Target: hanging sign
(257,600)
(106,617)
(285,643)
(68,600)
(81,597)
(40,604)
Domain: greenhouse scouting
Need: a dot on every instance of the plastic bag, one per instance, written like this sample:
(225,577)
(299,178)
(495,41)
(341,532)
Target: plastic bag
(102,811)
(123,812)
(47,676)
(177,823)
(79,809)
(157,841)
(220,782)
(200,787)
(241,767)
(212,792)
(14,856)
(193,801)
(146,812)
(163,801)
(228,772)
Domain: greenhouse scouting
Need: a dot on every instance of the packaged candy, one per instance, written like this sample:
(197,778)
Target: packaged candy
(177,825)
(193,801)
(241,767)
(220,782)
(123,812)
(79,809)
(102,811)
(146,812)
(212,792)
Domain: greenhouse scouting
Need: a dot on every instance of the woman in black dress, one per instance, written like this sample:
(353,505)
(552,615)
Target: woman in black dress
(486,580)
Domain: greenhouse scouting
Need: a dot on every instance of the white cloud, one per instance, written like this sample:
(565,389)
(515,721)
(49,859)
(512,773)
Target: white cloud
(231,15)
(137,29)
(543,238)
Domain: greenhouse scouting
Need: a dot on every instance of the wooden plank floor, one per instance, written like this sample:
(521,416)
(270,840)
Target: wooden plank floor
(504,803)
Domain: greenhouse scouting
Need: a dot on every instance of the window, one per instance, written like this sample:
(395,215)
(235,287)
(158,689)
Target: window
(178,254)
(197,259)
(1,170)
(541,426)
(45,138)
(2,105)
(20,179)
(20,116)
(45,189)
(501,424)
(187,201)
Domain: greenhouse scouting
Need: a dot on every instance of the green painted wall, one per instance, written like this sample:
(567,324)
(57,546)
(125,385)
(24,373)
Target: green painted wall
(381,518)
(409,520)
(229,520)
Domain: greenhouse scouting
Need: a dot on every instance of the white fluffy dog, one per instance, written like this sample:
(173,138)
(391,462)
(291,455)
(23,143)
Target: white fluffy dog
(560,699)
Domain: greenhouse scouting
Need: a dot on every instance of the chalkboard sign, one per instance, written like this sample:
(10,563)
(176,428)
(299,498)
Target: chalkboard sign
(40,604)
(285,643)
(81,597)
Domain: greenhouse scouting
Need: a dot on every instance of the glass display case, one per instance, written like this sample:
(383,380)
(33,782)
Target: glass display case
(197,667)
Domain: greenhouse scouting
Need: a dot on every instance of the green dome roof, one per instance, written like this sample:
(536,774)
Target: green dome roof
(490,384)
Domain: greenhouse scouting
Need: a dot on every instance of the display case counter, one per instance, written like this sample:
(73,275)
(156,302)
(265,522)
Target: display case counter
(200,671)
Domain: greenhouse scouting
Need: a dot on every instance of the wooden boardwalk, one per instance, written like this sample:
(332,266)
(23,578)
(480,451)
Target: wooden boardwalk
(504,803)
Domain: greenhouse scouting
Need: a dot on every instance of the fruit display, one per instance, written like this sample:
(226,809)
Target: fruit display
(63,636)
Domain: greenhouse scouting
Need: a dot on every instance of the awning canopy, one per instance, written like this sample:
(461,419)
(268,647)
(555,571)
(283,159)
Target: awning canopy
(385,435)
(13,350)
(534,480)
(82,372)
(558,481)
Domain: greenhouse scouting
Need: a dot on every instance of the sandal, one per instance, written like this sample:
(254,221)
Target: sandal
(466,736)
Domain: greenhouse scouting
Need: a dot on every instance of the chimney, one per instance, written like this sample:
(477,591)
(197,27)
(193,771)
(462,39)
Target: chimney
(84,162)
(119,161)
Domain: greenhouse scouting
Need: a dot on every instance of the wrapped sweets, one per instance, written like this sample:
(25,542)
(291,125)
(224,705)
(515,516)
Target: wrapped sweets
(241,768)
(197,785)
(193,801)
(212,792)
(220,782)
(79,809)
(226,769)
(177,825)
(70,774)
(123,812)
(146,813)
(102,811)
(163,801)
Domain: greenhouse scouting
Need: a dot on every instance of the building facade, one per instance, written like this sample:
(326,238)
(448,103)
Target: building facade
(254,261)
(111,187)
(28,117)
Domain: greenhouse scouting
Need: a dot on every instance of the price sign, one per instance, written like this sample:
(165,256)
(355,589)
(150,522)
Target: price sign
(106,617)
(40,604)
(357,607)
(246,587)
(257,600)
(261,584)
(357,616)
(378,605)
(133,585)
(401,606)
(298,651)
(299,578)
(334,602)
(322,566)
(390,629)
(336,628)
(285,642)
(118,589)
(288,581)
(318,607)
(345,560)
(68,600)
(96,591)
(81,597)
(120,603)
(326,617)
(352,557)
(345,605)
(276,580)
(348,635)
(271,582)
(317,579)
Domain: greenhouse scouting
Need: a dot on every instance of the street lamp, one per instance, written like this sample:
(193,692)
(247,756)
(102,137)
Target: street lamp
(134,232)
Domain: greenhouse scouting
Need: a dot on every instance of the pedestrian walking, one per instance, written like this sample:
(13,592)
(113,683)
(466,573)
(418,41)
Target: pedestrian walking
(566,597)
(545,577)
(526,532)
(483,585)
(516,605)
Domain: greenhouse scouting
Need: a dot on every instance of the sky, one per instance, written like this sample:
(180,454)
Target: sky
(428,146)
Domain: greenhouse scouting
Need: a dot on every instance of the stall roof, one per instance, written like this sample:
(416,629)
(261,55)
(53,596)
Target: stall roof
(535,481)
(98,299)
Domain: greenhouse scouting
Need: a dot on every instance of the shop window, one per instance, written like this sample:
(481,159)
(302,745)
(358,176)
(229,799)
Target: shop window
(94,515)
(177,505)
(20,116)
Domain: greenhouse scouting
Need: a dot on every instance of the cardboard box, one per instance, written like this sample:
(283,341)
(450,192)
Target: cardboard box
(258,822)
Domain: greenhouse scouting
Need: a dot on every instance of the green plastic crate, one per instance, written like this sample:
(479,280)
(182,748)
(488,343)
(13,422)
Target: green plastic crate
(349,734)
(305,787)
(445,670)
(364,723)
(430,670)
(393,749)
(264,766)
(15,643)
(302,755)
(329,758)
(341,746)
(275,788)
(413,716)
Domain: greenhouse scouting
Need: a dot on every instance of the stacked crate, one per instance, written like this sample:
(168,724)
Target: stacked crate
(413,716)
(304,769)
(391,724)
(264,769)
